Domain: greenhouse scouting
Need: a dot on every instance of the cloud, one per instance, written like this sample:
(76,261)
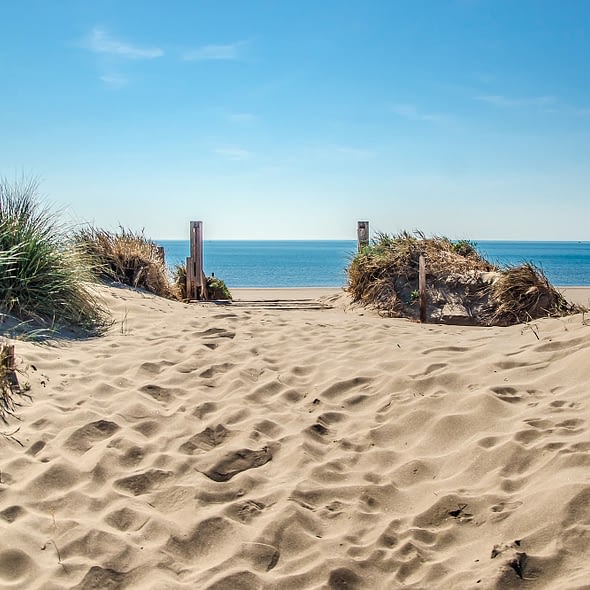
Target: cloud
(546,104)
(409,111)
(511,103)
(234,153)
(230,52)
(116,80)
(99,41)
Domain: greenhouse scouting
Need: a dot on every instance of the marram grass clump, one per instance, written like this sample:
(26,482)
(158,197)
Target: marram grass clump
(128,258)
(216,288)
(462,287)
(522,293)
(45,278)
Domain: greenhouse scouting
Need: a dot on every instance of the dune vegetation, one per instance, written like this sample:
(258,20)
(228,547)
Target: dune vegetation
(45,278)
(49,270)
(127,257)
(216,288)
(462,286)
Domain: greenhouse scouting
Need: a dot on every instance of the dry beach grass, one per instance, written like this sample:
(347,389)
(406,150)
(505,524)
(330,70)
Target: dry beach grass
(462,286)
(242,446)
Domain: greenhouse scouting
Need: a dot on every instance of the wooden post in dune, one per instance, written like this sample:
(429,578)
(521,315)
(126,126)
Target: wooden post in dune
(422,287)
(7,357)
(196,282)
(362,232)
(8,363)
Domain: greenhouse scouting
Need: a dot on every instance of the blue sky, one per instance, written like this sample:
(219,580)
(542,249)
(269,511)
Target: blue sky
(283,119)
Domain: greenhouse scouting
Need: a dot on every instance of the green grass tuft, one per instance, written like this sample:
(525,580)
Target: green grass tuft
(43,275)
(216,288)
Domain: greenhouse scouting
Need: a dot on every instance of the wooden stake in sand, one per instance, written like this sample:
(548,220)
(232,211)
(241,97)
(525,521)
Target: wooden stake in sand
(8,380)
(362,232)
(422,287)
(8,358)
(196,281)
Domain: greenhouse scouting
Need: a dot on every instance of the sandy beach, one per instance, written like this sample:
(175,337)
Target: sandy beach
(289,441)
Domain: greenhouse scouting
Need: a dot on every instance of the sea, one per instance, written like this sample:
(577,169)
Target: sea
(322,263)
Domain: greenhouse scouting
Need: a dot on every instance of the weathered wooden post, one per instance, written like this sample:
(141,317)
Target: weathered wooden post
(161,254)
(8,363)
(362,232)
(422,287)
(8,360)
(196,282)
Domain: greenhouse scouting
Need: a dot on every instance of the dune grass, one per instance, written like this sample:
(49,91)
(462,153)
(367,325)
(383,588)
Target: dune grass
(216,288)
(522,293)
(127,257)
(44,276)
(385,275)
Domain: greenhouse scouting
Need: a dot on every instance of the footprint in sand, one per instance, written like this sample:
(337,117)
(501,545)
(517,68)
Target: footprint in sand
(205,440)
(84,438)
(507,394)
(12,513)
(160,394)
(142,483)
(98,577)
(246,511)
(238,461)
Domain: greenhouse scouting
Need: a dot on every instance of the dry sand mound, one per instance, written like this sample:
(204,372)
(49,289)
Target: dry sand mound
(241,448)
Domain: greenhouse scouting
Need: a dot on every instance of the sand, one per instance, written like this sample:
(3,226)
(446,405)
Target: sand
(303,445)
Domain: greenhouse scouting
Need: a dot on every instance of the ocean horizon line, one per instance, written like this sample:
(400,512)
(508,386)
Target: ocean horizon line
(474,240)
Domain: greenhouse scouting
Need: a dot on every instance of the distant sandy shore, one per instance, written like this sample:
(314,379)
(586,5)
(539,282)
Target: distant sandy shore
(290,293)
(579,295)
(242,446)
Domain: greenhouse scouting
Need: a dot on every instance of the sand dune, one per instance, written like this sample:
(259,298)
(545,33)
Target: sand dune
(244,447)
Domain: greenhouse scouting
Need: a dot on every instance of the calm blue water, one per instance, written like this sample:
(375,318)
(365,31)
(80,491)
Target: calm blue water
(323,263)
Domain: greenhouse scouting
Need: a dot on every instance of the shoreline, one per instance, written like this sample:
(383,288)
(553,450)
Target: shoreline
(284,293)
(579,295)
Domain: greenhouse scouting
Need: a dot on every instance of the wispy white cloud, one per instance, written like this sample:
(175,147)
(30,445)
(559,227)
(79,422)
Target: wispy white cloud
(234,153)
(501,101)
(544,104)
(99,41)
(115,80)
(229,52)
(409,111)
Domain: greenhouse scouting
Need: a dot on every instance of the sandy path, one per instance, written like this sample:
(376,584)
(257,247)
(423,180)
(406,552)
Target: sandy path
(237,447)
